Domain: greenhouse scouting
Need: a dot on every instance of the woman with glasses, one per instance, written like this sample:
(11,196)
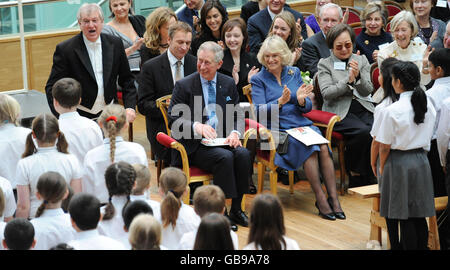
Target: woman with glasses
(344,79)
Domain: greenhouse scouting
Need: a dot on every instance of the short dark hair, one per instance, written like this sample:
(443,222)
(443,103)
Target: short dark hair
(236,22)
(213,233)
(440,57)
(179,26)
(62,246)
(207,6)
(84,209)
(133,209)
(337,30)
(19,234)
(67,92)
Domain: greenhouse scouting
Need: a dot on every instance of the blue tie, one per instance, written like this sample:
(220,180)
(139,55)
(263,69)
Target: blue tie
(212,119)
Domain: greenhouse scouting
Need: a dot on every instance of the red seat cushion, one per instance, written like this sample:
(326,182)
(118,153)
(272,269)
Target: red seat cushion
(319,116)
(337,136)
(392,10)
(264,154)
(353,17)
(164,139)
(194,171)
(376,83)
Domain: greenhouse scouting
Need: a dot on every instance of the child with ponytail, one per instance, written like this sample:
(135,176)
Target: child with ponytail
(114,149)
(176,217)
(50,155)
(405,181)
(51,225)
(120,178)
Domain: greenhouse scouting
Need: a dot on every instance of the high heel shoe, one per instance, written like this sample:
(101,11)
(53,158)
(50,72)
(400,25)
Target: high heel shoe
(329,216)
(338,215)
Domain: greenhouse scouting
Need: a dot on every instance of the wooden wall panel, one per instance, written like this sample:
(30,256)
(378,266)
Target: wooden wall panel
(11,65)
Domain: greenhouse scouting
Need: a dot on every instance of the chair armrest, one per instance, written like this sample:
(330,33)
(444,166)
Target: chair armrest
(325,120)
(170,142)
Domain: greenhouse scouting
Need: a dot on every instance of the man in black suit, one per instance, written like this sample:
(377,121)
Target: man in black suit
(98,61)
(157,79)
(207,100)
(315,47)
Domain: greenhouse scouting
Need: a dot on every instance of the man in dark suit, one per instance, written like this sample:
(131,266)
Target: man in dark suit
(98,61)
(191,9)
(258,25)
(157,79)
(315,47)
(207,100)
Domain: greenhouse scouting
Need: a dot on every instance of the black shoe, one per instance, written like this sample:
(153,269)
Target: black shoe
(252,189)
(329,216)
(239,217)
(338,215)
(233,225)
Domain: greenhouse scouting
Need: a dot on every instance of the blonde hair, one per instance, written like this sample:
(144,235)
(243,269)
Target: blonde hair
(209,199)
(112,127)
(9,110)
(293,40)
(275,44)
(142,178)
(153,23)
(371,8)
(145,233)
(173,183)
(408,17)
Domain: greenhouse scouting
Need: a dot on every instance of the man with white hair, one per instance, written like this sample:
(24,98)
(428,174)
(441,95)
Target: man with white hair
(315,47)
(447,36)
(96,60)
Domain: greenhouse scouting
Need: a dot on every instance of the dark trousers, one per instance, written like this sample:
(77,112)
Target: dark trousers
(413,233)
(153,127)
(88,115)
(436,171)
(355,128)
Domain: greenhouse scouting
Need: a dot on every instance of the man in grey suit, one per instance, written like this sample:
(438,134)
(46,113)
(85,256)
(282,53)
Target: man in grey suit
(315,47)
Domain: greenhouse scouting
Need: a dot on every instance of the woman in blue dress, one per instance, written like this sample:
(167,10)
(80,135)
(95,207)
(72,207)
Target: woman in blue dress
(280,87)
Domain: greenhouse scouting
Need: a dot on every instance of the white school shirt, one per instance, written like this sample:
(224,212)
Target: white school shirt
(438,93)
(92,240)
(443,132)
(82,134)
(10,201)
(97,161)
(156,206)
(53,227)
(291,244)
(399,129)
(46,159)
(12,146)
(378,115)
(188,240)
(114,227)
(187,221)
(2,230)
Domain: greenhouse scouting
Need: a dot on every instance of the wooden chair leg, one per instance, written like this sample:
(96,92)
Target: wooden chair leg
(291,181)
(130,132)
(243,203)
(273,181)
(261,172)
(187,195)
(341,148)
(433,234)
(159,167)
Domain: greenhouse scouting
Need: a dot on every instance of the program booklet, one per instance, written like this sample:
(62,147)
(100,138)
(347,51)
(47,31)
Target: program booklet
(214,142)
(307,135)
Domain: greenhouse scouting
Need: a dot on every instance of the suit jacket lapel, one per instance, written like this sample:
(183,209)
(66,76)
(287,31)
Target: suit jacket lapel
(189,65)
(107,59)
(166,69)
(83,54)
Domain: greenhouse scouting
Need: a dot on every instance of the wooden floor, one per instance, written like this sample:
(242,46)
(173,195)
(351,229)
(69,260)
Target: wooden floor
(301,217)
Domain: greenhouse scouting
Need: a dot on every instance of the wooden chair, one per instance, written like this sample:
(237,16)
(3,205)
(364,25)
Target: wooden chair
(377,222)
(357,27)
(163,104)
(388,27)
(374,72)
(130,125)
(393,7)
(353,14)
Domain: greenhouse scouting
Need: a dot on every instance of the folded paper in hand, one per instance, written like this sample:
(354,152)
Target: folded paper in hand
(214,142)
(307,135)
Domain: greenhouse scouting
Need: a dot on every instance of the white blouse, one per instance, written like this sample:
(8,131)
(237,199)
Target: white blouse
(187,221)
(114,227)
(399,129)
(438,93)
(156,206)
(97,161)
(443,132)
(53,227)
(188,240)
(82,134)
(46,159)
(92,240)
(291,244)
(378,115)
(12,146)
(10,201)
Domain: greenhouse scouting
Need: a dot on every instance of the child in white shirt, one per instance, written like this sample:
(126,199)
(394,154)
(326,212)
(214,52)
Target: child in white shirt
(2,223)
(213,233)
(50,155)
(19,235)
(142,188)
(81,133)
(6,214)
(51,225)
(145,233)
(113,122)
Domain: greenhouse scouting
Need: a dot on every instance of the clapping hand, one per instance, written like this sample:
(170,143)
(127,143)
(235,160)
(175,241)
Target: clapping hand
(302,92)
(298,26)
(433,36)
(375,55)
(196,24)
(252,72)
(285,96)
(353,71)
(220,42)
(425,58)
(345,17)
(235,73)
(297,54)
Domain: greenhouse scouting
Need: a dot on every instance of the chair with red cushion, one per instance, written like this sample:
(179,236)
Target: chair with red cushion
(374,72)
(357,27)
(393,7)
(353,14)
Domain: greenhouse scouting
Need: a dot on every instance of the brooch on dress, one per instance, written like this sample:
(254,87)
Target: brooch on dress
(394,54)
(366,42)
(290,72)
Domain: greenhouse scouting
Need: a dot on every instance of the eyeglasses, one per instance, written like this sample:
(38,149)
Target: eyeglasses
(347,45)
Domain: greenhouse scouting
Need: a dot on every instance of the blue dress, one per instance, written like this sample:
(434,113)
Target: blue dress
(265,92)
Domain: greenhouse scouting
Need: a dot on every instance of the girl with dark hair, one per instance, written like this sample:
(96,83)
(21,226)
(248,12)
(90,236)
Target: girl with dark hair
(214,233)
(406,190)
(212,18)
(49,155)
(120,178)
(51,225)
(267,231)
(176,217)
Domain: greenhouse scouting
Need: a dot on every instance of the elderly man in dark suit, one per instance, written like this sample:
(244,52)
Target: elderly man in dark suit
(258,25)
(98,61)
(315,47)
(157,79)
(207,100)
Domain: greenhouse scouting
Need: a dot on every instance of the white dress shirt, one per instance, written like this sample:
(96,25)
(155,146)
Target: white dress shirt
(82,134)
(10,201)
(378,115)
(92,240)
(188,240)
(173,65)
(114,227)
(97,160)
(443,132)
(187,221)
(95,56)
(156,206)
(291,244)
(46,159)
(12,146)
(399,129)
(438,93)
(53,227)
